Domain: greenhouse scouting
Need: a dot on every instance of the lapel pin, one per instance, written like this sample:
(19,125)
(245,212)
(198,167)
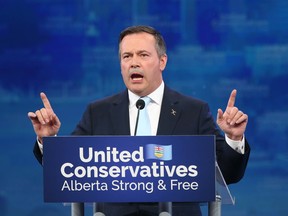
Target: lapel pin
(173,112)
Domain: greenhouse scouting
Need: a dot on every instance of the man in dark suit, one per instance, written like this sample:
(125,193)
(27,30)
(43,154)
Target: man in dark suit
(143,58)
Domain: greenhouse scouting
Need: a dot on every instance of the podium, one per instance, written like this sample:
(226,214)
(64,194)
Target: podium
(168,170)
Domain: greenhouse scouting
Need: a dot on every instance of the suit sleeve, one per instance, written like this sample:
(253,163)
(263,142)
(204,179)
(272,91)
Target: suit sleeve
(83,128)
(232,164)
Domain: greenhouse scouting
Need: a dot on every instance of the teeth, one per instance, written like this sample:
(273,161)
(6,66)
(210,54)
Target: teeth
(137,78)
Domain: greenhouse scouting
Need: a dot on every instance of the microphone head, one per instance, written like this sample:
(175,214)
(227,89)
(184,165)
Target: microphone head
(164,214)
(140,104)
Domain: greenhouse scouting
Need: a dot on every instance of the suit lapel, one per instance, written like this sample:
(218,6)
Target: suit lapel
(120,114)
(170,113)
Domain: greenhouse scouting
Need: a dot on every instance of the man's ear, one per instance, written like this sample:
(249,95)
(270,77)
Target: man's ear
(163,62)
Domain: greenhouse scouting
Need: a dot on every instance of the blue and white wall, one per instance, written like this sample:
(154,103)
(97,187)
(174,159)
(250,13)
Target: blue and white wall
(69,49)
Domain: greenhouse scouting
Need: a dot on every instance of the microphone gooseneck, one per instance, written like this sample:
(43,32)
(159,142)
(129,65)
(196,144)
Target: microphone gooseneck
(140,104)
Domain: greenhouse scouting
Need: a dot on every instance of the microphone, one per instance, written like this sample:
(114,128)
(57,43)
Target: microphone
(140,104)
(164,214)
(165,208)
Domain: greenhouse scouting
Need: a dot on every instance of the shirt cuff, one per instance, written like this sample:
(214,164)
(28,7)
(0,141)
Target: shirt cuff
(40,145)
(238,146)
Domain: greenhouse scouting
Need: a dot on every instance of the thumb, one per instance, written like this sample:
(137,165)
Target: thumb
(56,120)
(219,114)
(32,116)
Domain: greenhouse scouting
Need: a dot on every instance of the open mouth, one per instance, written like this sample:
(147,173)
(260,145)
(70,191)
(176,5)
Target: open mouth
(136,77)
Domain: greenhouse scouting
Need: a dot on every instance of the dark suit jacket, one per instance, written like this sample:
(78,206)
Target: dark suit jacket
(110,116)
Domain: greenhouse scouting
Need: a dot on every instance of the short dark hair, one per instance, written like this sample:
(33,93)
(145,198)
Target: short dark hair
(160,43)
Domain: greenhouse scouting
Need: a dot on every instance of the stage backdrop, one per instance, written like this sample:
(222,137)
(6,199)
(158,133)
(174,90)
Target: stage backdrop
(69,49)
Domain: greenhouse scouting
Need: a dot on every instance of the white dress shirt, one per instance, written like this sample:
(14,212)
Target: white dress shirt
(153,109)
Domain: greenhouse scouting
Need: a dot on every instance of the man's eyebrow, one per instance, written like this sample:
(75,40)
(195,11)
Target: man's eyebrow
(142,51)
(126,53)
(137,52)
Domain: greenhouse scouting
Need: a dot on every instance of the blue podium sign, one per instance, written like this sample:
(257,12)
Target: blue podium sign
(129,169)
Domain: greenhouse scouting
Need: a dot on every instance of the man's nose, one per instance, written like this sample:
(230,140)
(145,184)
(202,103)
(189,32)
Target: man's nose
(134,62)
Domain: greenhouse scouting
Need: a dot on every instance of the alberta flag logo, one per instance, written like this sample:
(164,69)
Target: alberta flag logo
(160,152)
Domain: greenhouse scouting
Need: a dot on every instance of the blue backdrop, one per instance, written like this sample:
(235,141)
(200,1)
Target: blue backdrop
(68,48)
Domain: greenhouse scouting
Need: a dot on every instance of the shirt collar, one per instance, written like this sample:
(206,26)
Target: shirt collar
(156,96)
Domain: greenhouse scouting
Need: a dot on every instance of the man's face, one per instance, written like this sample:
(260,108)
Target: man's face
(141,66)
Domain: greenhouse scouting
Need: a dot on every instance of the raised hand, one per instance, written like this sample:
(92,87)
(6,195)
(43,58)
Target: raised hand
(232,122)
(45,122)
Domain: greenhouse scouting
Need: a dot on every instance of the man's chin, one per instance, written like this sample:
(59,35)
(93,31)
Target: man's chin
(138,91)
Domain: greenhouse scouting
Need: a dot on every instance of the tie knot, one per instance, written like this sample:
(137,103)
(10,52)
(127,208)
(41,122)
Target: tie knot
(147,100)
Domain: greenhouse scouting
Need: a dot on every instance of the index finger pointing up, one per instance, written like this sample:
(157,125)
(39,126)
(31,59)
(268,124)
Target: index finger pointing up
(232,98)
(46,102)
